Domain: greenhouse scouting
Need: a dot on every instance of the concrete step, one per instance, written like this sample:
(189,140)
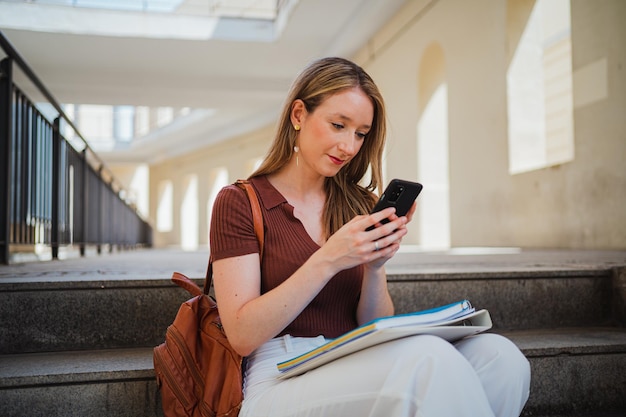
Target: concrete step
(86,314)
(616,413)
(81,314)
(106,383)
(575,371)
(516,299)
(95,322)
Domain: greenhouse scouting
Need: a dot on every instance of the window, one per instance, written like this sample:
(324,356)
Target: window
(123,123)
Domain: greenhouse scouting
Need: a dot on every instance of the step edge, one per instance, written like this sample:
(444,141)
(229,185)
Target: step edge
(75,367)
(113,364)
(24,284)
(552,342)
(425,275)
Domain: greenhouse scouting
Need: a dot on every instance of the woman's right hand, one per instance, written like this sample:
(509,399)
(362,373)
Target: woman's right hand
(353,245)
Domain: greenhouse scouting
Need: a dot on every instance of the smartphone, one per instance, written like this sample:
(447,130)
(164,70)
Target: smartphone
(399,194)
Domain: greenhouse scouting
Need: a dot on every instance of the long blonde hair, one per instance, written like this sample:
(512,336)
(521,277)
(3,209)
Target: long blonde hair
(345,197)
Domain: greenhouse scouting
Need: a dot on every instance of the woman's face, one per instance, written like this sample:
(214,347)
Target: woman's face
(334,132)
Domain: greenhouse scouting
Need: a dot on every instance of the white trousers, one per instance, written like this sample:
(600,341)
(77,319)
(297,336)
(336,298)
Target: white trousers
(481,376)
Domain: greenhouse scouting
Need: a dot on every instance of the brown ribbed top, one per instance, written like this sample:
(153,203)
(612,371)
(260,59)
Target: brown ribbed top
(287,246)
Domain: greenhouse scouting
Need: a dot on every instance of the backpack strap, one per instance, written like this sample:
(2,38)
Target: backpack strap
(186,283)
(257,218)
(257,214)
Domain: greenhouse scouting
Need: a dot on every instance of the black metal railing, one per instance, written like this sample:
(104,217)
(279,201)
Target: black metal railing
(51,192)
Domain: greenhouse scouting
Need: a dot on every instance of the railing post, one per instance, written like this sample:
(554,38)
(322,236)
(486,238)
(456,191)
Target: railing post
(6,93)
(100,205)
(56,178)
(111,226)
(85,203)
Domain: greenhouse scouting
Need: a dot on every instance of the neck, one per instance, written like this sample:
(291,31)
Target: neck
(297,180)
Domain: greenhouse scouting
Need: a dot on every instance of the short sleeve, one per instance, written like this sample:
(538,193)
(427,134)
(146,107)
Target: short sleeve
(232,228)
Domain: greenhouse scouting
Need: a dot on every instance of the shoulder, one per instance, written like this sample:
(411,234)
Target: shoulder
(231,204)
(232,228)
(231,194)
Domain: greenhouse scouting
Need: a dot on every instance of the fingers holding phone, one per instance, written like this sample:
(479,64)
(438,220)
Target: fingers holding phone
(401,195)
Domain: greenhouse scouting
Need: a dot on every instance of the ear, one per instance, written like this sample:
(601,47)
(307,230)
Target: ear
(298,112)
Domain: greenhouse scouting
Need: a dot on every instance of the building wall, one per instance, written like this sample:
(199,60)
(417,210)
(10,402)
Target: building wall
(576,204)
(235,157)
(579,204)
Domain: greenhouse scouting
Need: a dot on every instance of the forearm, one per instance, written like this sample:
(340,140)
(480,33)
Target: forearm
(250,318)
(375,300)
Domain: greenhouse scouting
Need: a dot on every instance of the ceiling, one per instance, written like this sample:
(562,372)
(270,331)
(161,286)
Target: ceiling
(242,81)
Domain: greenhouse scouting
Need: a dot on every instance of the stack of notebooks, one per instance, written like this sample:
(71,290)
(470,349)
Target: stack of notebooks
(451,322)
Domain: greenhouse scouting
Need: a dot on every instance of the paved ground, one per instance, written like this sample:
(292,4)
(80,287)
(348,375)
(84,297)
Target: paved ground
(160,263)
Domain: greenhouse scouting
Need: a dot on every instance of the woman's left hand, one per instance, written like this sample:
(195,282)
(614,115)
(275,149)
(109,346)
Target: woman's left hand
(387,246)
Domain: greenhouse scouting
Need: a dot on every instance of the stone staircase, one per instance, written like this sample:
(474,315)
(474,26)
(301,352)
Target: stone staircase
(78,342)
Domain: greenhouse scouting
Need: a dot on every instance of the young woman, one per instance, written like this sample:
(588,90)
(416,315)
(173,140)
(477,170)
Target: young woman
(322,274)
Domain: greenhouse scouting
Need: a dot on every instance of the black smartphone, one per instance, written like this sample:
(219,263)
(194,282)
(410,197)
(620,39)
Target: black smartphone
(399,194)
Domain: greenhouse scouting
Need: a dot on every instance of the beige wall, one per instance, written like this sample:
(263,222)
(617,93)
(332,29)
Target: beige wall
(134,178)
(578,204)
(236,156)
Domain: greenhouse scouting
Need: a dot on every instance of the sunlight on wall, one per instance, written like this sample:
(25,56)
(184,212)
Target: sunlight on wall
(189,214)
(139,188)
(165,206)
(432,150)
(539,85)
(432,160)
(218,180)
